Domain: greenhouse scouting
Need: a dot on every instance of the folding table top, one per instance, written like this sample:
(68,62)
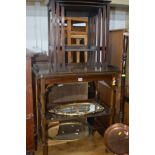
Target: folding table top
(44,69)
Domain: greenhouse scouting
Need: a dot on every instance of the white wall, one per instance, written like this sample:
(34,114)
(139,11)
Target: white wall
(37,28)
(119,18)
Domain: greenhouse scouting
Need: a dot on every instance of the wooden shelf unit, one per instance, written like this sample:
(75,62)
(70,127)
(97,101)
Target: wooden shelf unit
(74,36)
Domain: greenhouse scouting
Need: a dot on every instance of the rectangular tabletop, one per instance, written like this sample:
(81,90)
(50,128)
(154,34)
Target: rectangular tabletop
(45,69)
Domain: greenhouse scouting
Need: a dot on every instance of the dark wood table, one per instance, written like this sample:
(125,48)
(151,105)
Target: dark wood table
(46,76)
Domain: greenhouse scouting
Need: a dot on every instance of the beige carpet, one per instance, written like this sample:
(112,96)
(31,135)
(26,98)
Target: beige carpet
(92,145)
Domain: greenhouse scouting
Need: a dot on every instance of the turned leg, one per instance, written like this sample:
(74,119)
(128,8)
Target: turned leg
(43,118)
(45,149)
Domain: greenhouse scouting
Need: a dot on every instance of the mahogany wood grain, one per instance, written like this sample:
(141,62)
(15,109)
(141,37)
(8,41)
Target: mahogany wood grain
(62,35)
(30,138)
(99,36)
(107,32)
(103,33)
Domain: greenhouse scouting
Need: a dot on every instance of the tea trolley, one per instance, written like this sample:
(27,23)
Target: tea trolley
(93,69)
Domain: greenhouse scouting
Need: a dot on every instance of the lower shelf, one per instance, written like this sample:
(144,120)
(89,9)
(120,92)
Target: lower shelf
(68,131)
(72,130)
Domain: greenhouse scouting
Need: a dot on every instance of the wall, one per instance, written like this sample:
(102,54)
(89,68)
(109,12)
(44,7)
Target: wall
(36,28)
(119,18)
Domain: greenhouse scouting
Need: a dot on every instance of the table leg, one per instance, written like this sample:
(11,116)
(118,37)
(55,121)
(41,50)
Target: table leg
(43,118)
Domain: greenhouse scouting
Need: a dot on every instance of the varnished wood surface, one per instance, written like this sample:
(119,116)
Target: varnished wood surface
(45,69)
(70,75)
(116,47)
(74,35)
(92,145)
(53,73)
(30,141)
(126,117)
(101,11)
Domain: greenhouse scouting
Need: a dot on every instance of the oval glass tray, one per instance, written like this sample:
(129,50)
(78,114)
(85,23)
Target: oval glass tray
(77,109)
(68,131)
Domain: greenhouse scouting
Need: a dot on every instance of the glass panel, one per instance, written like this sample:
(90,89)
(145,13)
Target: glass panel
(75,91)
(76,109)
(68,131)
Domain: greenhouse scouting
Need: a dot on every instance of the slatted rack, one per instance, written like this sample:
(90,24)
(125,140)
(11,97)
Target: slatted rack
(97,13)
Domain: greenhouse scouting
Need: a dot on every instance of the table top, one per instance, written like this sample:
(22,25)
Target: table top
(45,69)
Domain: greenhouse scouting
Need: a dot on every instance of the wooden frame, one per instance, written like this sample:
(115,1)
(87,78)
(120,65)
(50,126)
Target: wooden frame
(77,35)
(48,81)
(30,120)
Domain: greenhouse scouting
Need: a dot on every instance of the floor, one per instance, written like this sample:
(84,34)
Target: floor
(92,145)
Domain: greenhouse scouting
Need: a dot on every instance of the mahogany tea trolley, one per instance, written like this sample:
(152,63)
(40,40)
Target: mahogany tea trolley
(95,110)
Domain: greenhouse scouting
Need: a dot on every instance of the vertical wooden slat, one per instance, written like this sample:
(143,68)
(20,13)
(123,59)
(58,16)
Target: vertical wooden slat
(87,27)
(68,39)
(58,34)
(99,36)
(50,31)
(86,43)
(95,17)
(93,38)
(62,35)
(89,39)
(89,33)
(78,53)
(69,25)
(49,37)
(86,53)
(103,33)
(93,31)
(54,34)
(107,31)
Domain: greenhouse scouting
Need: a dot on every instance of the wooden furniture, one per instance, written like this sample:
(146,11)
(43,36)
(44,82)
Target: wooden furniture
(46,78)
(30,133)
(116,41)
(126,113)
(95,11)
(57,73)
(116,47)
(74,35)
